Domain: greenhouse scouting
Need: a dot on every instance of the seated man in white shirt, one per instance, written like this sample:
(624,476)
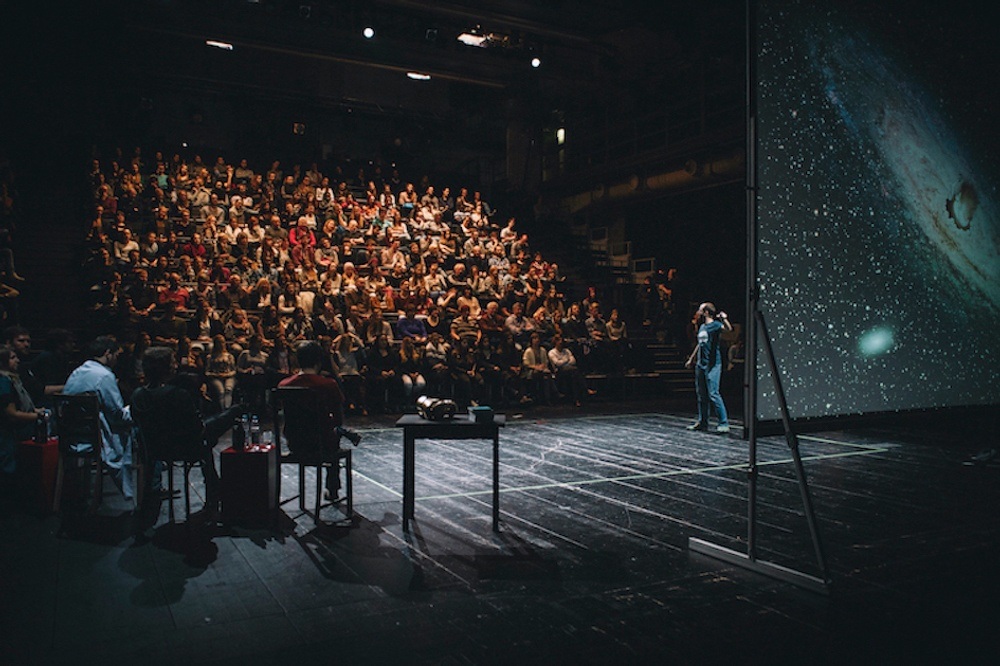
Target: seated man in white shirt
(568,377)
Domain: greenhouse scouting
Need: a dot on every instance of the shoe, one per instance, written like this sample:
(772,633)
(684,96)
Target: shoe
(354,437)
(331,497)
(982,457)
(697,426)
(722,429)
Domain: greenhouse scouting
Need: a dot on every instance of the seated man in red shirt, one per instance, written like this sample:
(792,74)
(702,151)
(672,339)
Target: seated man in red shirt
(310,357)
(173,291)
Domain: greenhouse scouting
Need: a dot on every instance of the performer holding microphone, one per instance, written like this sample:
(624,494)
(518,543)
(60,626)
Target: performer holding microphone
(707,361)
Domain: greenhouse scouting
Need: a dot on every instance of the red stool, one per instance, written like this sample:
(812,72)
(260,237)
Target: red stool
(249,480)
(37,464)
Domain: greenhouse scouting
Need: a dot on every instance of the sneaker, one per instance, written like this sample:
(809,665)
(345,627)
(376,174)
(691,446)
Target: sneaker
(697,426)
(354,437)
(722,429)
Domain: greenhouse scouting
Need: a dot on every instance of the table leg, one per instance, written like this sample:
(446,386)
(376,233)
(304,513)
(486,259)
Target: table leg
(496,482)
(408,475)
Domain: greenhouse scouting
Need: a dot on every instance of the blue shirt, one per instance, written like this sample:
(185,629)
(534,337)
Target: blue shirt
(116,423)
(709,352)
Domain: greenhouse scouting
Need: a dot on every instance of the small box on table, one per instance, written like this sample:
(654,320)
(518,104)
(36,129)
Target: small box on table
(481,414)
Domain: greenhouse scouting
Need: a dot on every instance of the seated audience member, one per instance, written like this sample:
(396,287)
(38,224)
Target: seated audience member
(567,374)
(170,420)
(518,325)
(349,356)
(464,327)
(310,356)
(536,369)
(220,371)
(436,354)
(95,375)
(467,382)
(250,373)
(382,377)
(411,326)
(410,367)
(19,415)
(173,291)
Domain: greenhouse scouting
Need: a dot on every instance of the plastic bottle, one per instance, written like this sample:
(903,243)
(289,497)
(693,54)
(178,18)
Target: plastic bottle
(239,436)
(255,430)
(42,427)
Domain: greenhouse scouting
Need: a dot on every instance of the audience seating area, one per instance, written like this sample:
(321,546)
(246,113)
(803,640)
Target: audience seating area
(411,289)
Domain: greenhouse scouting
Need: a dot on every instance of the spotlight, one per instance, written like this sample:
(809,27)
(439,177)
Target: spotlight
(536,62)
(368,32)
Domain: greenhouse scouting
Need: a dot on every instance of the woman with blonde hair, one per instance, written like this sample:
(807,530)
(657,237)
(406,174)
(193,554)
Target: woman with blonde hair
(220,370)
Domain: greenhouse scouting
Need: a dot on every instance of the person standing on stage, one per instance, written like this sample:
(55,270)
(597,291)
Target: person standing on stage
(707,361)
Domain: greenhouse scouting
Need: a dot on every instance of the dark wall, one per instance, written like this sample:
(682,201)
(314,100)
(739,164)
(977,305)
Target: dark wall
(703,234)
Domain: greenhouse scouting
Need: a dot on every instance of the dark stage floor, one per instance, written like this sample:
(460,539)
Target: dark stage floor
(591,563)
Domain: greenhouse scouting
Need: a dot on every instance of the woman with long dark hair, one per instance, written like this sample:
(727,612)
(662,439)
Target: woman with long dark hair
(18,410)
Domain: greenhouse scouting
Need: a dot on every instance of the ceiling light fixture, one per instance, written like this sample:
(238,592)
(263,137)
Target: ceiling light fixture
(472,39)
(536,62)
(226,46)
(368,32)
(417,76)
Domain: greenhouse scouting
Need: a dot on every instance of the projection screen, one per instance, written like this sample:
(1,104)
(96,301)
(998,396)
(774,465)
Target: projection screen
(877,171)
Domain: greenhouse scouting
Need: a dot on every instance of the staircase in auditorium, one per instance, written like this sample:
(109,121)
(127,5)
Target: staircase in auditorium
(658,364)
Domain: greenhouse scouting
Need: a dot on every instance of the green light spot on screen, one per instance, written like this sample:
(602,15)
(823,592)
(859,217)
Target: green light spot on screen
(876,342)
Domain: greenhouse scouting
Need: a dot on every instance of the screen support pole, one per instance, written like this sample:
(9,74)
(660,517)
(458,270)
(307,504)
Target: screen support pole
(749,559)
(755,332)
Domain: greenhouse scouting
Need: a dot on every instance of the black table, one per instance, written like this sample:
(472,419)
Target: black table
(462,427)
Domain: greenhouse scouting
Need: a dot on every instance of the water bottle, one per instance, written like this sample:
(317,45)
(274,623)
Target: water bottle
(239,436)
(255,430)
(42,427)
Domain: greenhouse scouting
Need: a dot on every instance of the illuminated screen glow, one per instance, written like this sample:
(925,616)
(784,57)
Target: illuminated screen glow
(877,207)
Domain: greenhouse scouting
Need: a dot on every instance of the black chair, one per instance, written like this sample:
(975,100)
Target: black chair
(157,449)
(78,418)
(162,439)
(300,411)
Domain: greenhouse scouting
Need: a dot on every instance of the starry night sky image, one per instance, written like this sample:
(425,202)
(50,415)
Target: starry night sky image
(878,262)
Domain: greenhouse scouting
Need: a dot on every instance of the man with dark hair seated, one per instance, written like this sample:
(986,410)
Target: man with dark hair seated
(95,375)
(310,357)
(170,422)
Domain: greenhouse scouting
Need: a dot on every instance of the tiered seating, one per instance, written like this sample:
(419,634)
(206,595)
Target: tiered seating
(182,252)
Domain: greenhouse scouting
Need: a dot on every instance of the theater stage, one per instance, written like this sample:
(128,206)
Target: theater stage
(591,561)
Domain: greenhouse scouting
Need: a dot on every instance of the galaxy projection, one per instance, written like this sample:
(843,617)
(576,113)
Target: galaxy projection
(878,266)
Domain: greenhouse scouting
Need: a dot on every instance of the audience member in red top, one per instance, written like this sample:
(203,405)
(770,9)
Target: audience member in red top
(173,291)
(331,418)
